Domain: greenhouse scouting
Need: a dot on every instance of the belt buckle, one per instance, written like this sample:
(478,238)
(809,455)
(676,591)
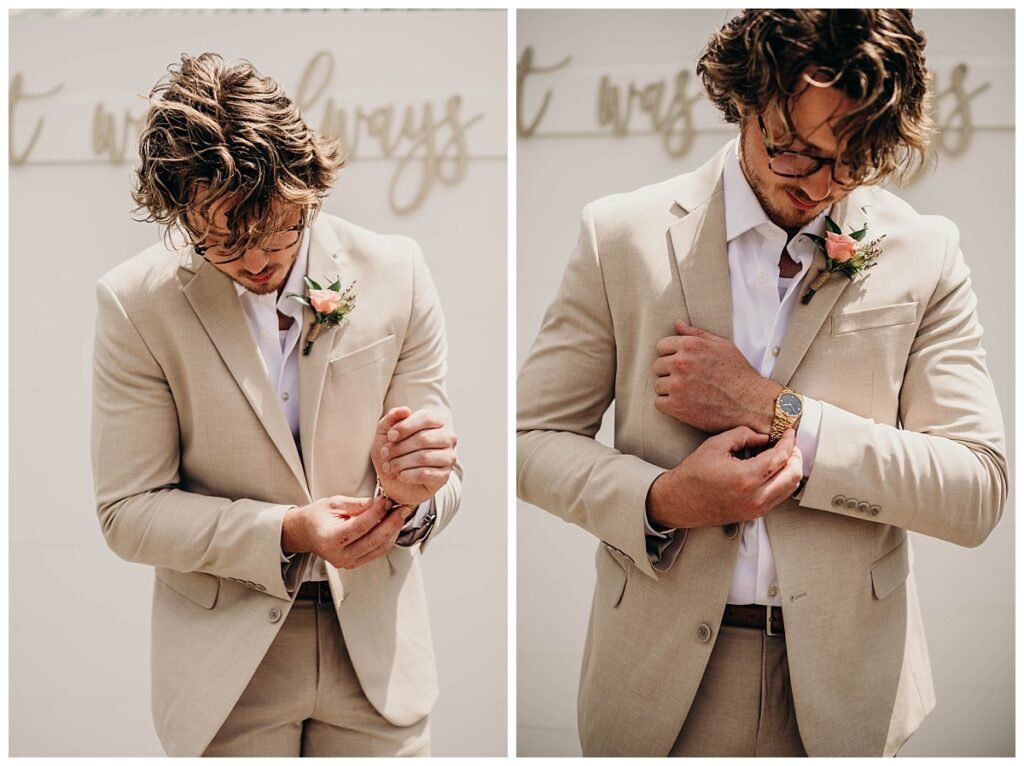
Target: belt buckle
(768,621)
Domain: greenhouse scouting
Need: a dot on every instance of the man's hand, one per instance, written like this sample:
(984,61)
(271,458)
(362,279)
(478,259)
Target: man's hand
(712,487)
(347,532)
(413,454)
(704,381)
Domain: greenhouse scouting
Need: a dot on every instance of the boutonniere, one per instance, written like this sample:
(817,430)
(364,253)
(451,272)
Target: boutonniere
(330,306)
(843,254)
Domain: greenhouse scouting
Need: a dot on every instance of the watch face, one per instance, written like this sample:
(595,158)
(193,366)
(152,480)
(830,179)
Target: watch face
(790,404)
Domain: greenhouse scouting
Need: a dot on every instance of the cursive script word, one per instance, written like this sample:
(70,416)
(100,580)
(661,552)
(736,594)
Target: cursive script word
(429,145)
(16,95)
(524,69)
(672,118)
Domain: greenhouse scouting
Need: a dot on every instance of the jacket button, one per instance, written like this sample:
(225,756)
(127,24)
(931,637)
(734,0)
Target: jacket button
(704,633)
(875,510)
(862,507)
(274,614)
(731,530)
(851,503)
(838,501)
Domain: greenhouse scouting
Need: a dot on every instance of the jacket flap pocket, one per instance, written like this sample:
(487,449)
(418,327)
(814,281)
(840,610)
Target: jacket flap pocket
(362,357)
(197,587)
(880,316)
(612,572)
(889,572)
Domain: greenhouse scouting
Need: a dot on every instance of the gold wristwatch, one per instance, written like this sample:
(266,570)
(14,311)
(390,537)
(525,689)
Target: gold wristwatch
(789,406)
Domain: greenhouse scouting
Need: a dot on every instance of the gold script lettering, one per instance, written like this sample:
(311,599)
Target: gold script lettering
(411,134)
(524,69)
(17,94)
(105,137)
(674,122)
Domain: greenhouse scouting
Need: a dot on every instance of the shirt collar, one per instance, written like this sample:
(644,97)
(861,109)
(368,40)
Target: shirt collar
(743,210)
(295,284)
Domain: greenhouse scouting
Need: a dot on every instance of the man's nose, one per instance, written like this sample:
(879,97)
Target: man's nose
(818,185)
(255,260)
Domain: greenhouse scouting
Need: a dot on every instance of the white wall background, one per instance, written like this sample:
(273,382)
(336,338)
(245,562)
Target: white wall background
(79,616)
(967,595)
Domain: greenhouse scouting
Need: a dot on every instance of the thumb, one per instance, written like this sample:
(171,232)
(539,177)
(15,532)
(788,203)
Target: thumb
(684,329)
(391,417)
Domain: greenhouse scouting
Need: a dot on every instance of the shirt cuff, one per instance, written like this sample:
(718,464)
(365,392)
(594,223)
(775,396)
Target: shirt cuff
(416,520)
(807,432)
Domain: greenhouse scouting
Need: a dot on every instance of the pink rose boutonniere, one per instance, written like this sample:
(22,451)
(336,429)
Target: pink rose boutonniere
(843,253)
(330,306)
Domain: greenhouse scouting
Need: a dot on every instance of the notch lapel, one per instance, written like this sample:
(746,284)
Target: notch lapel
(213,298)
(326,264)
(807,319)
(699,245)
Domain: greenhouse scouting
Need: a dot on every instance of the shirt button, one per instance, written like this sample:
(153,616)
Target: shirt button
(264,333)
(762,277)
(776,351)
(773,591)
(285,396)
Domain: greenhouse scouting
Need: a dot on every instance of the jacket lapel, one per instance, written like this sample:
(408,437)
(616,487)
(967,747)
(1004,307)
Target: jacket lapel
(699,244)
(326,264)
(213,298)
(807,319)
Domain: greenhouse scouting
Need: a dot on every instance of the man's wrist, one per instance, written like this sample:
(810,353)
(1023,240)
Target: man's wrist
(657,501)
(764,413)
(293,532)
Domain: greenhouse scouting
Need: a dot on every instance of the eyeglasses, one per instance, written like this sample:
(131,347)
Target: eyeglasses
(275,243)
(790,164)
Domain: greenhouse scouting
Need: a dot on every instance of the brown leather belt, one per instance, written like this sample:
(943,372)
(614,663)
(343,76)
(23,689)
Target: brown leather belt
(315,590)
(754,616)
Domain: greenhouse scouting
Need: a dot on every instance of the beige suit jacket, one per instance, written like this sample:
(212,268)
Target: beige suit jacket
(911,439)
(195,465)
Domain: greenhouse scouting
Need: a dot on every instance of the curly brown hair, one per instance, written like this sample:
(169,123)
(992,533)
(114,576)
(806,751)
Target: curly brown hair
(759,60)
(229,132)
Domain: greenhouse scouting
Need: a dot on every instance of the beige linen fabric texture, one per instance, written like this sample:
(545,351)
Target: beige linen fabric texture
(744,706)
(307,674)
(911,439)
(195,465)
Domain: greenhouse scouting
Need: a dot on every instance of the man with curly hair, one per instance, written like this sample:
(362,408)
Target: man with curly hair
(781,422)
(277,445)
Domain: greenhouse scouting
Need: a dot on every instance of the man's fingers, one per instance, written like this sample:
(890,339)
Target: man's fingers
(417,421)
(430,477)
(367,520)
(424,458)
(769,462)
(736,439)
(392,416)
(376,542)
(784,483)
(428,438)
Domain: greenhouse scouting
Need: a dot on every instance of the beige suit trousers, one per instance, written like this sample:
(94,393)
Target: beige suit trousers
(744,705)
(305,699)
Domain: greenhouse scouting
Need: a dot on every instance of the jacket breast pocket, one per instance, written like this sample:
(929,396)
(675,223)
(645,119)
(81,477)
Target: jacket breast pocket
(890,571)
(197,587)
(612,574)
(353,361)
(872,318)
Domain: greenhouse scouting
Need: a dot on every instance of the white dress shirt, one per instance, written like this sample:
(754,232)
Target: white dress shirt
(762,303)
(278,351)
